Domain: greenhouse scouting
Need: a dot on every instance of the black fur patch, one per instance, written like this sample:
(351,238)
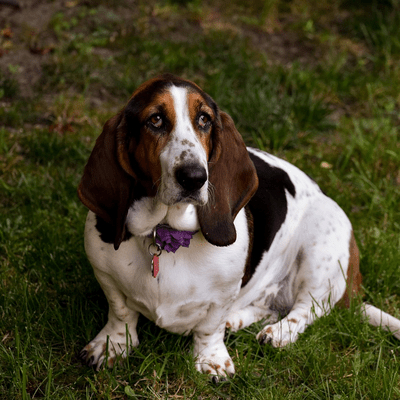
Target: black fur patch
(107,231)
(268,207)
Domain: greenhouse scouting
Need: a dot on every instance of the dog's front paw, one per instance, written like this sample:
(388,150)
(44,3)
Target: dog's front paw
(107,349)
(211,355)
(97,352)
(219,366)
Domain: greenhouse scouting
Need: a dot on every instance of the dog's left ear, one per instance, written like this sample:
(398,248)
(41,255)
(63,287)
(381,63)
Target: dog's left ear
(233,180)
(108,181)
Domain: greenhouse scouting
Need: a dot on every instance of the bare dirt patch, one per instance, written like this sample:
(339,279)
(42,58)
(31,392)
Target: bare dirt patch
(32,40)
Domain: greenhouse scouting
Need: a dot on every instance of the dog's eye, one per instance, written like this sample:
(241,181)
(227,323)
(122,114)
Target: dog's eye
(156,121)
(204,121)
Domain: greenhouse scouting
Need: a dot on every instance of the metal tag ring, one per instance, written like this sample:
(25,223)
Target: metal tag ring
(157,252)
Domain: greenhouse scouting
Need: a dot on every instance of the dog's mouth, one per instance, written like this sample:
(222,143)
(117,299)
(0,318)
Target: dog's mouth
(197,198)
(185,199)
(192,198)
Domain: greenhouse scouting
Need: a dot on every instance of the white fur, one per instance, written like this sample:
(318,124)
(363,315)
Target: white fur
(377,317)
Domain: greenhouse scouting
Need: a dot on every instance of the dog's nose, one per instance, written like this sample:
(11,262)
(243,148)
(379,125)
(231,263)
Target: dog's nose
(191,177)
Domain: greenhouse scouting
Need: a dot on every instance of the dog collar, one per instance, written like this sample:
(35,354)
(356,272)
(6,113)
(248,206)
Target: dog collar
(168,239)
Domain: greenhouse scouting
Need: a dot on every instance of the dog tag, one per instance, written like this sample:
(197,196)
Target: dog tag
(155,265)
(155,255)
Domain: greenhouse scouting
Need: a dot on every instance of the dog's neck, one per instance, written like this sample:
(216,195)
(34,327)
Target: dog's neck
(147,213)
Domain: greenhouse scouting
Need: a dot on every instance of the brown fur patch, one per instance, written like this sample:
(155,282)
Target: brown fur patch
(227,363)
(162,101)
(294,320)
(354,278)
(122,154)
(111,362)
(150,145)
(197,104)
(234,180)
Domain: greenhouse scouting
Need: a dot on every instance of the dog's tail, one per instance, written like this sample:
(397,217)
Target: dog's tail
(377,317)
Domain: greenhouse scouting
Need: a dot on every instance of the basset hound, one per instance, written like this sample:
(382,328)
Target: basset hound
(197,232)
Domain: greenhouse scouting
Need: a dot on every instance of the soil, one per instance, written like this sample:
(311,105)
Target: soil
(24,51)
(26,40)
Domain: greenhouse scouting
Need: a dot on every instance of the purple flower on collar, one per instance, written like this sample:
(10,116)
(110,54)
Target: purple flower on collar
(170,239)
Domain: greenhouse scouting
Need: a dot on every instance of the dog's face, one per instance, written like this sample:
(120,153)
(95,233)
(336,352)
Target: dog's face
(171,142)
(172,124)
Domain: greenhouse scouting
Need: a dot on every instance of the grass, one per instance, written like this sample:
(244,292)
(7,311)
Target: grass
(335,116)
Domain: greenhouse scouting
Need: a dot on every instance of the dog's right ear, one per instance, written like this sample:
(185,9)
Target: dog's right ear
(106,187)
(234,180)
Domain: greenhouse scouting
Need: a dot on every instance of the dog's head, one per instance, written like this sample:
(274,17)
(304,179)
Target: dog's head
(172,142)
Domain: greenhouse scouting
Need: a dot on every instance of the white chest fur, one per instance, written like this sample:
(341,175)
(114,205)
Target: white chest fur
(192,284)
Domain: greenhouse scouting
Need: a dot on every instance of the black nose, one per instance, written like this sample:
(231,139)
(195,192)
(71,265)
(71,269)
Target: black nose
(191,177)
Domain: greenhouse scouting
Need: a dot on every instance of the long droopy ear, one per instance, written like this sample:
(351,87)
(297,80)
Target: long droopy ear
(233,181)
(107,184)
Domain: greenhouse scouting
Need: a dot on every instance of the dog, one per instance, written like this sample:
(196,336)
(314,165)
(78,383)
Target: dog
(198,233)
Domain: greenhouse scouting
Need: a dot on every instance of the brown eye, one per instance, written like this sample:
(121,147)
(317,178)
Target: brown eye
(204,121)
(156,121)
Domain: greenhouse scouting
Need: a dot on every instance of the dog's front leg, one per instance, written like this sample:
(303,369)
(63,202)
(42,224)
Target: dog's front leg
(118,336)
(211,354)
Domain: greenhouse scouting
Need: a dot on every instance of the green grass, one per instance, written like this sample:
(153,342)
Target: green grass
(335,116)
